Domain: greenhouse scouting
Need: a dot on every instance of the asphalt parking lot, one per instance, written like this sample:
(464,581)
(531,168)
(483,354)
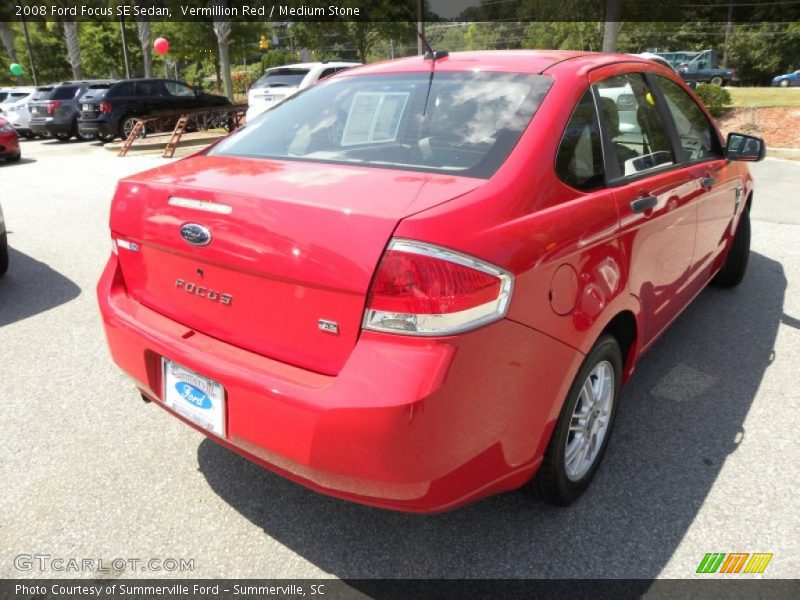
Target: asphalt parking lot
(703,459)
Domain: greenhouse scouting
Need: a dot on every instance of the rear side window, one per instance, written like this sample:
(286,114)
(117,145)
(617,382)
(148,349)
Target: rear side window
(579,160)
(697,135)
(65,92)
(121,89)
(639,139)
(149,88)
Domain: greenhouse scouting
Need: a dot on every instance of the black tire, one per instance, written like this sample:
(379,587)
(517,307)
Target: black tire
(3,254)
(105,137)
(552,484)
(717,80)
(735,266)
(62,136)
(14,158)
(784,83)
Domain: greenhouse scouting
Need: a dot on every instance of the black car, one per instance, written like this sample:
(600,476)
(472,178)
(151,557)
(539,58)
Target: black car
(54,111)
(115,113)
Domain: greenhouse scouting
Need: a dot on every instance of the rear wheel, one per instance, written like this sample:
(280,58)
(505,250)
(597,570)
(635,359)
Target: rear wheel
(3,254)
(14,157)
(717,80)
(62,136)
(735,266)
(105,137)
(583,429)
(127,126)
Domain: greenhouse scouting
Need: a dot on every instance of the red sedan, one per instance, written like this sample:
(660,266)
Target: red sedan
(9,142)
(422,282)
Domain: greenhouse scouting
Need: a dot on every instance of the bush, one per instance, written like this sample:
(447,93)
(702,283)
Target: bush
(273,58)
(716,98)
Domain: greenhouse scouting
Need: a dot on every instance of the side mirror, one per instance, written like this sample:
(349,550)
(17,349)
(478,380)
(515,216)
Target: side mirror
(745,147)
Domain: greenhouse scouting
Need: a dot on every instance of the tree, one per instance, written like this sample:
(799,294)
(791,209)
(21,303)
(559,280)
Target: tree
(7,38)
(222,29)
(145,35)
(611,33)
(73,49)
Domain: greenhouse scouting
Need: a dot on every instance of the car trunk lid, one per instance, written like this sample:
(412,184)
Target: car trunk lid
(292,251)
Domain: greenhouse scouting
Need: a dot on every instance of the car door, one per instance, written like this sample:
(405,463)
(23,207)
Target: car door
(723,190)
(655,196)
(152,96)
(181,96)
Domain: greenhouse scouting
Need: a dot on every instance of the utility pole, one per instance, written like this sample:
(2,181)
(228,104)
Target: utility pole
(420,27)
(125,47)
(728,31)
(30,52)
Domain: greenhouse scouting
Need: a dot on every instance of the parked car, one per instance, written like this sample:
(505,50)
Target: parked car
(3,245)
(415,287)
(656,58)
(279,83)
(787,80)
(14,109)
(9,142)
(54,111)
(116,112)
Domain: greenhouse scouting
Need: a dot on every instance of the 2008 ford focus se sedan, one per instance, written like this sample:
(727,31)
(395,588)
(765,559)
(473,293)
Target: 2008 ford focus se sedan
(422,282)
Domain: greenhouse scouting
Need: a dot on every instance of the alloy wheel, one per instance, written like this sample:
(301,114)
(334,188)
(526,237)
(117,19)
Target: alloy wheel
(590,419)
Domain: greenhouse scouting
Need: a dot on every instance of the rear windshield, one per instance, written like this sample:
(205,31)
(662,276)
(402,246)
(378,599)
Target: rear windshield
(281,78)
(465,122)
(61,92)
(14,97)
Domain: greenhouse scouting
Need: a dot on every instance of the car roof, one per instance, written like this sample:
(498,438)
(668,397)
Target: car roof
(312,65)
(510,61)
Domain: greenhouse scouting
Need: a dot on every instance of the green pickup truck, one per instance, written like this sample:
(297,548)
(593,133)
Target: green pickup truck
(699,67)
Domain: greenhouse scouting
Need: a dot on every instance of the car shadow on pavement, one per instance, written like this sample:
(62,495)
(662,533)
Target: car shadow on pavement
(681,416)
(30,287)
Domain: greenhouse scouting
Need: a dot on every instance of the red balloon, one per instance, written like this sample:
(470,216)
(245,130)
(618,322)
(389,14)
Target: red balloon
(161,45)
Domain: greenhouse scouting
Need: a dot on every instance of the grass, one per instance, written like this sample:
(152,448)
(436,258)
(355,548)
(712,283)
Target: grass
(764,97)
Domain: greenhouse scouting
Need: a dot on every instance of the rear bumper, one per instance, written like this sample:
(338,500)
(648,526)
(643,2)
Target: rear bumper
(408,423)
(50,127)
(96,127)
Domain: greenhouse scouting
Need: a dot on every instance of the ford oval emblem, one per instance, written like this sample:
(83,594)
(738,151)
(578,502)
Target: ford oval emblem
(195,234)
(193,396)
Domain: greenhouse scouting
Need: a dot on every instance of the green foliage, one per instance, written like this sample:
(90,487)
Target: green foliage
(715,97)
(273,58)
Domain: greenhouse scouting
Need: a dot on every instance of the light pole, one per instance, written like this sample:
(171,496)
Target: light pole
(124,47)
(30,51)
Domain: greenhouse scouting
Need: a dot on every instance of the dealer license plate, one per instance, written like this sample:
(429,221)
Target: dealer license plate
(195,397)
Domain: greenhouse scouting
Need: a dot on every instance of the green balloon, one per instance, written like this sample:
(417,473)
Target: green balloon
(15,69)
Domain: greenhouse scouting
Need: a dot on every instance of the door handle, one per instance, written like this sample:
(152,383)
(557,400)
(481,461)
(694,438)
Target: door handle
(707,182)
(643,203)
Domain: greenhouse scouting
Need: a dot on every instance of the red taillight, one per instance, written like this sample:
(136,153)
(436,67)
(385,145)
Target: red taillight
(105,107)
(428,290)
(52,105)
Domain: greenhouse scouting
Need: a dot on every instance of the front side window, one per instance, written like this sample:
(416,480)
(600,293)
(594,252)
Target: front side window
(639,140)
(463,123)
(178,89)
(579,160)
(697,135)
